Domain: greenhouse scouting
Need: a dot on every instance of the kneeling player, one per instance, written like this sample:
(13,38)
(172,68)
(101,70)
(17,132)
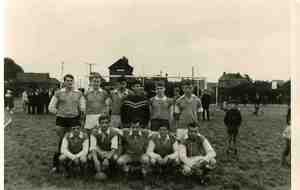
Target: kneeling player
(134,142)
(196,153)
(74,150)
(162,149)
(104,146)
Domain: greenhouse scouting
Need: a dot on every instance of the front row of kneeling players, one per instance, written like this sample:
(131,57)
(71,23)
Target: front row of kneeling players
(131,147)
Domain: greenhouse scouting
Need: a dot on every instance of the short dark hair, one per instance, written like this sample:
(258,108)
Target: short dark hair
(68,76)
(160,84)
(186,82)
(135,82)
(94,75)
(103,117)
(193,125)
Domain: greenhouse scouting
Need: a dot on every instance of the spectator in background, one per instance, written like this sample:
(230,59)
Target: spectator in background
(25,100)
(9,101)
(39,101)
(257,101)
(136,105)
(205,100)
(287,136)
(31,101)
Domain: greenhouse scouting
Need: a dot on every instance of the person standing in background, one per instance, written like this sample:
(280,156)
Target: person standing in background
(25,100)
(257,102)
(30,101)
(9,101)
(205,100)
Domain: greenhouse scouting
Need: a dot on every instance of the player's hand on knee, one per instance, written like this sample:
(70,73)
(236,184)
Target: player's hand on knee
(186,170)
(76,161)
(105,163)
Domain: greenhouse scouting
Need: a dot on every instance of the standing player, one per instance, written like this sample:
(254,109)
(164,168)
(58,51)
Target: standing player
(196,154)
(74,150)
(136,105)
(97,102)
(160,108)
(188,109)
(104,146)
(117,97)
(68,104)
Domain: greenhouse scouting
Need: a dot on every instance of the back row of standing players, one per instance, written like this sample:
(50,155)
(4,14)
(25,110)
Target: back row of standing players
(125,126)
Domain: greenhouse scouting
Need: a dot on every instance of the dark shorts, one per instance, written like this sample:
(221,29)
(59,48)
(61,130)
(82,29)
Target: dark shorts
(157,123)
(67,122)
(233,130)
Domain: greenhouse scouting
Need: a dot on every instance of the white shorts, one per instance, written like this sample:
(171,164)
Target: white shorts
(181,133)
(115,121)
(91,121)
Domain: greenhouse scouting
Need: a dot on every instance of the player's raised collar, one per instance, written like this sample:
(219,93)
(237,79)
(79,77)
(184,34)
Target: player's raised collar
(72,90)
(80,135)
(158,98)
(93,90)
(130,133)
(191,98)
(168,137)
(106,132)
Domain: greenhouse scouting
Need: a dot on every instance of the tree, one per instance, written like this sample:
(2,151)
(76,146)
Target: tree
(11,69)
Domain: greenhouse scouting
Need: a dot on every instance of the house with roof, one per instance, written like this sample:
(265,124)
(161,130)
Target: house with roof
(36,80)
(230,80)
(120,68)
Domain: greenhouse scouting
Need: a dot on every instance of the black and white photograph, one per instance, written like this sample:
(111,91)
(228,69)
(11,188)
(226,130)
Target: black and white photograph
(148,95)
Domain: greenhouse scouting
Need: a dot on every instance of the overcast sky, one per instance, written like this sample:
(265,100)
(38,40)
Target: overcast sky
(246,36)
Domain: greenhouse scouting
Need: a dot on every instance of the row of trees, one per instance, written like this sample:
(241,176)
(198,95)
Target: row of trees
(246,92)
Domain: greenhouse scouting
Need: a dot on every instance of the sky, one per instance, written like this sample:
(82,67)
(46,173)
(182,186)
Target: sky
(215,36)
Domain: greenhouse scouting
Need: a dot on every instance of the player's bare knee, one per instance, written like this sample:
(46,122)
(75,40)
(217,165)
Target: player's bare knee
(121,161)
(62,158)
(152,161)
(144,159)
(83,159)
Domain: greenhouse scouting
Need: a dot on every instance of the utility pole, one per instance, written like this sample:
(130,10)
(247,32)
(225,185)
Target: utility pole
(193,74)
(62,70)
(90,67)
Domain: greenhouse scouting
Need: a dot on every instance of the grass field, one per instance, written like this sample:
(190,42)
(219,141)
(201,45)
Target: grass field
(31,140)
